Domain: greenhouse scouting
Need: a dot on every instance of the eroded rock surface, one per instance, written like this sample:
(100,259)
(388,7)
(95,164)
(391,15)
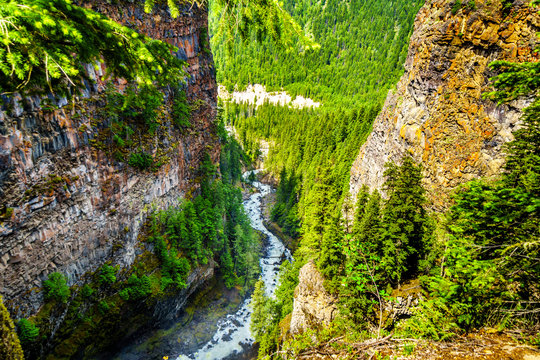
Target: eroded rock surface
(437,112)
(313,306)
(68,206)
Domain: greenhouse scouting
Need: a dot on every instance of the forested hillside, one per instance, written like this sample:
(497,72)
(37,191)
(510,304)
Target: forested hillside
(463,264)
(363,45)
(132,224)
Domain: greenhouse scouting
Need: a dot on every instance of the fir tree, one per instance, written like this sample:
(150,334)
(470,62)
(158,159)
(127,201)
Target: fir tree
(370,228)
(404,220)
(10,347)
(331,254)
(360,211)
(259,319)
(320,207)
(45,44)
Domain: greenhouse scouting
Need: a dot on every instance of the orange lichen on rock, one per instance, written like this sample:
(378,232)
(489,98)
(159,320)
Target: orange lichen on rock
(446,73)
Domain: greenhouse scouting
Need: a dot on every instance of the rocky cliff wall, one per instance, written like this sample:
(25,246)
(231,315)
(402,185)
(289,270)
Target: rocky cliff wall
(436,111)
(66,204)
(313,306)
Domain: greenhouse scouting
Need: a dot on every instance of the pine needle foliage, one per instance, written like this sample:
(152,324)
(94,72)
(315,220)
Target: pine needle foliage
(45,44)
(10,347)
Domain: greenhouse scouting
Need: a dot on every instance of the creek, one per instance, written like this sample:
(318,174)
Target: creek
(198,337)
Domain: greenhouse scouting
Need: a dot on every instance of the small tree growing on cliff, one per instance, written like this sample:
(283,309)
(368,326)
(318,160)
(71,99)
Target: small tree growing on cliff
(56,288)
(404,220)
(28,332)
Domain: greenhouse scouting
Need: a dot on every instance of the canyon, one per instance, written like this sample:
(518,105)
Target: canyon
(67,206)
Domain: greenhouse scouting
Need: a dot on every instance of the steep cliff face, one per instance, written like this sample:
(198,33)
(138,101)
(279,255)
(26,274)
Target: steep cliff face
(437,112)
(67,205)
(313,306)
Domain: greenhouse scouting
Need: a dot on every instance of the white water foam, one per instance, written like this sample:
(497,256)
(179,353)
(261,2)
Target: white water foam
(233,332)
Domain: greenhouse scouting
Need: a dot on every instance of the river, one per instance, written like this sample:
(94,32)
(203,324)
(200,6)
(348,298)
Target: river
(233,335)
(232,339)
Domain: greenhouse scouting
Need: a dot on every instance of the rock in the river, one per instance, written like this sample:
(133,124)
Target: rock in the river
(313,305)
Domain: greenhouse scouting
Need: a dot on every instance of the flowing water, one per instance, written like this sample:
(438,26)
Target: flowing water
(219,330)
(233,335)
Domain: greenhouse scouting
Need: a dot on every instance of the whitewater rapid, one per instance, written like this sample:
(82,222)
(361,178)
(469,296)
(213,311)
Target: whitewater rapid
(233,335)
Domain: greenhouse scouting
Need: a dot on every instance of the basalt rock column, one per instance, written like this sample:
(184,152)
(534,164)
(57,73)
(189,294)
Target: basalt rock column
(66,205)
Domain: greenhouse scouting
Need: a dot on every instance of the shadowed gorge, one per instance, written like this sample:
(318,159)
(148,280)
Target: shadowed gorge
(269,180)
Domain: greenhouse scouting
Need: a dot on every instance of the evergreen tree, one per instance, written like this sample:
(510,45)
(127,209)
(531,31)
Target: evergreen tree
(45,44)
(259,318)
(370,228)
(404,220)
(56,287)
(321,205)
(363,279)
(10,347)
(360,211)
(331,254)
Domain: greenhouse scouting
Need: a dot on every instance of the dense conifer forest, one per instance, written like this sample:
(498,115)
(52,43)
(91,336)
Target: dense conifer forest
(363,45)
(475,265)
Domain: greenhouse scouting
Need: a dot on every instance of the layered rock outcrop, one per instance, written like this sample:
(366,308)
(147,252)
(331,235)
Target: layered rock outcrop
(68,206)
(437,112)
(313,306)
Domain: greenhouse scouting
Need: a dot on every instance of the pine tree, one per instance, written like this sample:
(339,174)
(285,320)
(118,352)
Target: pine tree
(320,206)
(369,229)
(404,220)
(259,318)
(331,254)
(361,202)
(10,347)
(362,280)
(46,43)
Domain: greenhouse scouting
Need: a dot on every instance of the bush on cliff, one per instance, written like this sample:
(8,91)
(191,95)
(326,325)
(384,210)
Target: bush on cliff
(141,160)
(107,275)
(28,331)
(56,288)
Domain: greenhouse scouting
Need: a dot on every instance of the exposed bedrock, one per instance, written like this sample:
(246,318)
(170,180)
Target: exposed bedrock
(437,112)
(68,206)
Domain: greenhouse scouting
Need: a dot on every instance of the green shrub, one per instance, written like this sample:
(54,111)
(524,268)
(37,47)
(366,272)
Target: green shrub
(507,5)
(456,7)
(103,307)
(28,331)
(137,288)
(181,111)
(107,275)
(141,160)
(118,140)
(56,287)
(87,291)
